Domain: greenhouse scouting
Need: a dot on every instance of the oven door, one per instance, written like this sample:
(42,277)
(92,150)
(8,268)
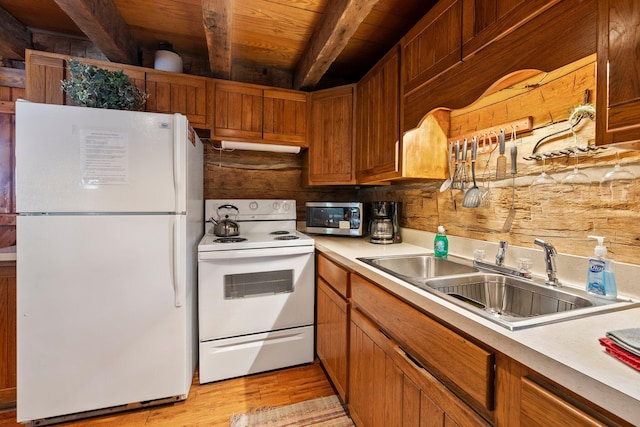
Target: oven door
(249,291)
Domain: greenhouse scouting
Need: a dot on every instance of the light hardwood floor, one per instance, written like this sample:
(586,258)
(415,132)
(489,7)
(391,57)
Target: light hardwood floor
(213,404)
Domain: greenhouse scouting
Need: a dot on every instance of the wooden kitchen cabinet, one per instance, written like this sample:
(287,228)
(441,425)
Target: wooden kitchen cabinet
(44,71)
(253,113)
(382,154)
(390,388)
(618,72)
(377,121)
(7,334)
(180,93)
(330,157)
(433,45)
(462,365)
(484,21)
(332,322)
(285,117)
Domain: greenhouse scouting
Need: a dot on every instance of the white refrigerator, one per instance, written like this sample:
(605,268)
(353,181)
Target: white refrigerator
(110,215)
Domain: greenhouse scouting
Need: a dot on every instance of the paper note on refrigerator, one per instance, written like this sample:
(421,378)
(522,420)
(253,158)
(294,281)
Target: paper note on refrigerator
(104,156)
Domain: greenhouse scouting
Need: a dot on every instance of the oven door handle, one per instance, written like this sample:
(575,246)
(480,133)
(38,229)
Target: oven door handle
(255,253)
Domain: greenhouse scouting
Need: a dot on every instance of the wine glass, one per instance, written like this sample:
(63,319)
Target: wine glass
(544,178)
(616,184)
(540,190)
(576,176)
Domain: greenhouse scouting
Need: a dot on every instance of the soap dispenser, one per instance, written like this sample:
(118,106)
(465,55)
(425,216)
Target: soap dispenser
(440,244)
(601,280)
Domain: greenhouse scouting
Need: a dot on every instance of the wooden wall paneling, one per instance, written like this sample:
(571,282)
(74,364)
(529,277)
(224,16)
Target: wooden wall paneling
(7,334)
(8,96)
(246,174)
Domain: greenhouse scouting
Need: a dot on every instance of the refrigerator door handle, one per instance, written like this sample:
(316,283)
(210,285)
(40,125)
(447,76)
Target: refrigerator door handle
(179,275)
(179,161)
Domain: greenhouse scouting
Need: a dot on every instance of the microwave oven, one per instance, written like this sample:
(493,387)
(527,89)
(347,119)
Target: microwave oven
(335,218)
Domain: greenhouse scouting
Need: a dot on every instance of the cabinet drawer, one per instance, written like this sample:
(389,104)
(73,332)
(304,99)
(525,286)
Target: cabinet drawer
(540,407)
(460,364)
(334,275)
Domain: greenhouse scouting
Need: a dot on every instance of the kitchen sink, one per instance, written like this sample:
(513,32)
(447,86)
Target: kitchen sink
(512,302)
(419,266)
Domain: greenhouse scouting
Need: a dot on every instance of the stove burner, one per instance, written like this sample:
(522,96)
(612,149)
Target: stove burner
(289,237)
(230,240)
(279,232)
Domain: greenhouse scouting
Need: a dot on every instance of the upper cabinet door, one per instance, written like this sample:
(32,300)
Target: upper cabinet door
(618,75)
(179,93)
(330,154)
(484,21)
(378,121)
(238,111)
(432,46)
(44,71)
(285,117)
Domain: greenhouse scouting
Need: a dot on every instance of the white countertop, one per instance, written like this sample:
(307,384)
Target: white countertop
(567,352)
(8,254)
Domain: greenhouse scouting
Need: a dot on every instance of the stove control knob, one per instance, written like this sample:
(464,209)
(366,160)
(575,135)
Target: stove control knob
(253,206)
(276,206)
(286,206)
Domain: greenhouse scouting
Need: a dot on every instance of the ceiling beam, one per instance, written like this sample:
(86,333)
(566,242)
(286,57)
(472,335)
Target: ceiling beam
(216,18)
(14,37)
(340,21)
(102,23)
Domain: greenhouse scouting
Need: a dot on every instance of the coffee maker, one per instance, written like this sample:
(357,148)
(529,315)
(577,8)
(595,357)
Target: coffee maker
(384,227)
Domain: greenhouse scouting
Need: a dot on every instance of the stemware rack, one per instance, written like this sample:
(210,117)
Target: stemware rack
(569,151)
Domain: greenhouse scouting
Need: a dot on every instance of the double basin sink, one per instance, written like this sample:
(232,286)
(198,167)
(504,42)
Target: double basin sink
(510,301)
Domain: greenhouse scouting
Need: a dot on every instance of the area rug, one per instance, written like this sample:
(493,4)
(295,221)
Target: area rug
(320,412)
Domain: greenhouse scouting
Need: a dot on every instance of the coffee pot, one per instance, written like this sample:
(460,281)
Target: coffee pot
(384,227)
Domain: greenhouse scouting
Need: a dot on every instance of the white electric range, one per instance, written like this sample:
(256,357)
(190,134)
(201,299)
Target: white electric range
(255,290)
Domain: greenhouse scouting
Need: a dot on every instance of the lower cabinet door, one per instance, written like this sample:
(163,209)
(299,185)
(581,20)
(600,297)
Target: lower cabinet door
(375,382)
(387,387)
(332,336)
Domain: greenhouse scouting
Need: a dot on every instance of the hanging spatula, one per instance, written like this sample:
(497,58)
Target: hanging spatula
(501,164)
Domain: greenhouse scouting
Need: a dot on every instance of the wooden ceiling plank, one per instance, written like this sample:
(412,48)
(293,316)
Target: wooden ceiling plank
(339,22)
(103,24)
(14,37)
(216,18)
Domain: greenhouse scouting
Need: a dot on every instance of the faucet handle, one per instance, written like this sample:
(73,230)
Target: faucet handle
(502,251)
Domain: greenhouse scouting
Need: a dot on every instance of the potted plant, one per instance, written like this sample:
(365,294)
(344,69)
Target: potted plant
(96,87)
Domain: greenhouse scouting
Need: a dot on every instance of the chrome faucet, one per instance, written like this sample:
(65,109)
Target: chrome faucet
(550,260)
(502,251)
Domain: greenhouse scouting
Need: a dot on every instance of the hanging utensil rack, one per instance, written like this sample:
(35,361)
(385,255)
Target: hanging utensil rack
(522,125)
